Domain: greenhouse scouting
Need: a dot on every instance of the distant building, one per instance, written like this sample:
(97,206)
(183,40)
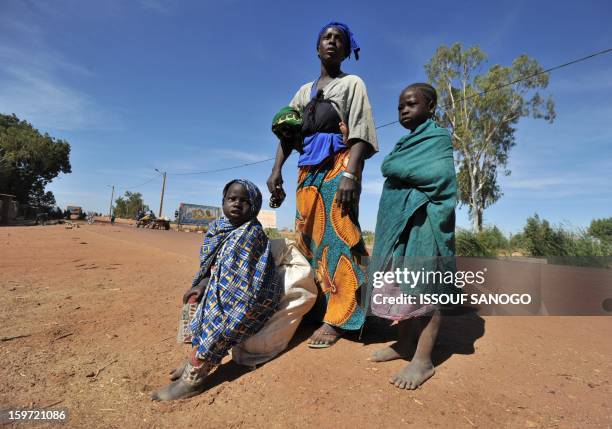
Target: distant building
(267,218)
(8,209)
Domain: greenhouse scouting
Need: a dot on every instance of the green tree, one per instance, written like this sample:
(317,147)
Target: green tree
(29,160)
(41,199)
(129,204)
(540,239)
(602,229)
(483,123)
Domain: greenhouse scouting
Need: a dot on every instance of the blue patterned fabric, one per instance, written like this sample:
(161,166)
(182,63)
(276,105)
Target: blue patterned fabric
(243,291)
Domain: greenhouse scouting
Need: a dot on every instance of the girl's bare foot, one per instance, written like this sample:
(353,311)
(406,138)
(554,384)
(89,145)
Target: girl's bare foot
(413,375)
(403,348)
(397,350)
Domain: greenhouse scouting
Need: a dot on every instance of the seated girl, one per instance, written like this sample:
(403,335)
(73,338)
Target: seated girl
(236,290)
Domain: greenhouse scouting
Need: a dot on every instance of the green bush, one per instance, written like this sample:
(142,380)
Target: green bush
(540,239)
(272,233)
(601,229)
(482,244)
(563,245)
(368,238)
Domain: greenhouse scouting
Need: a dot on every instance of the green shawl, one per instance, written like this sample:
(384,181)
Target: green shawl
(416,213)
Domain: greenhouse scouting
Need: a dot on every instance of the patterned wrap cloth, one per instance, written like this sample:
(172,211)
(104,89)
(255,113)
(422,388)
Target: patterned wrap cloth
(415,226)
(331,241)
(243,291)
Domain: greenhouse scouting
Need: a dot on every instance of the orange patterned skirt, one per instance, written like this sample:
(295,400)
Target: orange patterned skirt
(331,241)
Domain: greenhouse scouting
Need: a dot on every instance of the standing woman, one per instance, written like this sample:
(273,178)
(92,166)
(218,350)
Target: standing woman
(329,178)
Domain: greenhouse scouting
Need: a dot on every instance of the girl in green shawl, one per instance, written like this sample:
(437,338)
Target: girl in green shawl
(415,231)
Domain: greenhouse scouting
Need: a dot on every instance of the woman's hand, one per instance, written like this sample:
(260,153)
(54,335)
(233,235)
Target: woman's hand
(198,291)
(275,181)
(347,195)
(275,186)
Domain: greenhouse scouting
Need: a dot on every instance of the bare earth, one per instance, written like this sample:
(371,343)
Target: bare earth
(99,306)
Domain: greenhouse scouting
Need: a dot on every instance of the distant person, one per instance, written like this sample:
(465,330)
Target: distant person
(329,179)
(233,294)
(42,218)
(415,229)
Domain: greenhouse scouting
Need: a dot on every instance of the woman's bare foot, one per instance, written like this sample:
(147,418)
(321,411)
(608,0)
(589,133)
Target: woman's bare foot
(175,374)
(178,389)
(324,337)
(413,375)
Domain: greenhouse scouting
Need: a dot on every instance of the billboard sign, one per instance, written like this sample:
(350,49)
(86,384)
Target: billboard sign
(195,214)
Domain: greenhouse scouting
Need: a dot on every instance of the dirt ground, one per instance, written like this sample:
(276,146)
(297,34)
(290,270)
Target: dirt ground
(98,307)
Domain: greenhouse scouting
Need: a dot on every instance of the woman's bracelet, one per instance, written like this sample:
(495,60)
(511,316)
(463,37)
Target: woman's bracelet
(351,176)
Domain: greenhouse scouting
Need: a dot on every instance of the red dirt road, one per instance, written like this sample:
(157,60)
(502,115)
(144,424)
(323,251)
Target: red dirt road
(99,306)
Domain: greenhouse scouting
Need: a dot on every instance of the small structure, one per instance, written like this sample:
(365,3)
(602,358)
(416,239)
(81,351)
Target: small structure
(7,209)
(267,218)
(75,212)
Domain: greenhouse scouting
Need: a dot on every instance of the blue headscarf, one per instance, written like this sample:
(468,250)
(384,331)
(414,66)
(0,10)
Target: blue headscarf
(254,195)
(351,44)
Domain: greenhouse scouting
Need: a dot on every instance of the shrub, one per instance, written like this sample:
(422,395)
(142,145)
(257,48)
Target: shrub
(486,243)
(601,229)
(272,233)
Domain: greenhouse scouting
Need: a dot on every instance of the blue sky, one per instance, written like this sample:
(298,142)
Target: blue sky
(188,86)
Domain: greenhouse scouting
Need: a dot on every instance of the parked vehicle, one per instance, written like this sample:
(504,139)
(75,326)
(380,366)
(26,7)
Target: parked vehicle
(150,221)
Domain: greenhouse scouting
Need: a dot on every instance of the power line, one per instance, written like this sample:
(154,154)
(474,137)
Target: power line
(223,169)
(141,184)
(560,66)
(136,186)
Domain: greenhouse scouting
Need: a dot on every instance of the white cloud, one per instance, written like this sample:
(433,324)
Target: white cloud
(597,80)
(47,103)
(537,183)
(34,83)
(164,7)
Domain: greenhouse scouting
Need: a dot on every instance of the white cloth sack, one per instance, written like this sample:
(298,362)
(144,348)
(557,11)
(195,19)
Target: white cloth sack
(300,293)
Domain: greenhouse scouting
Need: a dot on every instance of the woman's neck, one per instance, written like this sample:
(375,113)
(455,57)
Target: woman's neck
(329,71)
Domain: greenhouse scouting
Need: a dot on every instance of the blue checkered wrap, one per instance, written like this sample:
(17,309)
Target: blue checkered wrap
(243,291)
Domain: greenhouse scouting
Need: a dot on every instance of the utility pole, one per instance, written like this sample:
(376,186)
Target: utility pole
(161,201)
(110,208)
